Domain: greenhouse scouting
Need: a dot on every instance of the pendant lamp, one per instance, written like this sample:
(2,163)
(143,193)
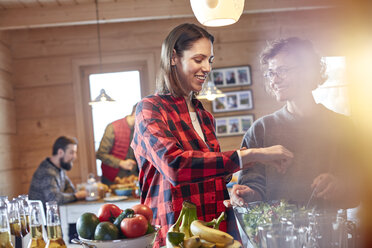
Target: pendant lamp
(215,13)
(102,97)
(210,92)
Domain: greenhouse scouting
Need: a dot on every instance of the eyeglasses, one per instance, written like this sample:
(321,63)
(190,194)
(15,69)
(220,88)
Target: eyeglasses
(280,73)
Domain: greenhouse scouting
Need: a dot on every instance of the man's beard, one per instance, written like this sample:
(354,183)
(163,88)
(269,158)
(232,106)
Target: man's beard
(64,165)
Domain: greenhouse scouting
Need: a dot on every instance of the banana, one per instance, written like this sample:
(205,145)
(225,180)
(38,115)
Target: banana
(210,234)
(192,242)
(236,244)
(187,215)
(185,226)
(206,244)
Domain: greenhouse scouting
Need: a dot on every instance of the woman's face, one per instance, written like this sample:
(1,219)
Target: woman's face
(194,65)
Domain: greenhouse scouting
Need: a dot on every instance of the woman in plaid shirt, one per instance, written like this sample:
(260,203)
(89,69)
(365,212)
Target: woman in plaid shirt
(175,142)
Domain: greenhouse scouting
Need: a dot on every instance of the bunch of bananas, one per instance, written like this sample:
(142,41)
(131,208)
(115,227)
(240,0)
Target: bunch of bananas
(189,232)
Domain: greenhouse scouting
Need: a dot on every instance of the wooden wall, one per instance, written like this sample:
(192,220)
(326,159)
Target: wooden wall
(10,168)
(43,81)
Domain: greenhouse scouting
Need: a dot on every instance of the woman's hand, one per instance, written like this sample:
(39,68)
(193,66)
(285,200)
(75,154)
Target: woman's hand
(277,156)
(242,194)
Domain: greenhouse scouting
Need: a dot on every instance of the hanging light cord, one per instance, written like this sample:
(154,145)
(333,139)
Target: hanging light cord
(99,38)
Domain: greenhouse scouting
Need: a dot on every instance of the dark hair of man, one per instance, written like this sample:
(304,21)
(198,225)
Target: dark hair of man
(301,49)
(134,109)
(181,38)
(62,143)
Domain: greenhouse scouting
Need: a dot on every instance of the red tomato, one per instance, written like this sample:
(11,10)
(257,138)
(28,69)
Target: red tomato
(144,210)
(108,212)
(134,227)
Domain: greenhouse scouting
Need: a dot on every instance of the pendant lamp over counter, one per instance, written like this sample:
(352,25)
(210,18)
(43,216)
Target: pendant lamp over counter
(102,97)
(215,13)
(210,92)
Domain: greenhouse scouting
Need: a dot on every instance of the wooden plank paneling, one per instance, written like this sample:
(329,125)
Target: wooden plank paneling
(6,87)
(47,126)
(130,11)
(5,37)
(8,152)
(5,58)
(7,117)
(10,184)
(39,102)
(9,167)
(83,39)
(42,72)
(41,133)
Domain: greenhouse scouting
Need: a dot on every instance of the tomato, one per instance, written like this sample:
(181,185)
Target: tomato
(144,210)
(134,227)
(108,212)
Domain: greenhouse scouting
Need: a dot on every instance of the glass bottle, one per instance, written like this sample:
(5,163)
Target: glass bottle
(54,229)
(22,216)
(4,229)
(27,210)
(36,224)
(14,218)
(3,200)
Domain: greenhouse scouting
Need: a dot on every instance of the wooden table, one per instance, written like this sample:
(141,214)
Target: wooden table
(71,212)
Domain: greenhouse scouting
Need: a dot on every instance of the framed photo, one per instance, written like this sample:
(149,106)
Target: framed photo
(233,125)
(232,76)
(234,101)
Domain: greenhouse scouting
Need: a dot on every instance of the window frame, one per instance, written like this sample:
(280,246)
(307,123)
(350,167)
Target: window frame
(82,68)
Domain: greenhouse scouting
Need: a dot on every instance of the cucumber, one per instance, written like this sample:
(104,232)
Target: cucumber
(125,214)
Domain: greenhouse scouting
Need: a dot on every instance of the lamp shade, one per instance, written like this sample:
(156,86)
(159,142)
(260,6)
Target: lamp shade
(101,98)
(210,92)
(216,13)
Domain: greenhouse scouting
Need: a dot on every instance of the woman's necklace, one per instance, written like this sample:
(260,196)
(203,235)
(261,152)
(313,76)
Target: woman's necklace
(193,116)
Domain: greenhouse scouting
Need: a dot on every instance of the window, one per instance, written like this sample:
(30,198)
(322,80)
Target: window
(333,94)
(125,88)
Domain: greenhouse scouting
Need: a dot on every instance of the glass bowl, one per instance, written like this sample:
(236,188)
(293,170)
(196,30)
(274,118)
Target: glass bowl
(123,192)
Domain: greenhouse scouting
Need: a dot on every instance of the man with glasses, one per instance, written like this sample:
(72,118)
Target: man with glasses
(320,139)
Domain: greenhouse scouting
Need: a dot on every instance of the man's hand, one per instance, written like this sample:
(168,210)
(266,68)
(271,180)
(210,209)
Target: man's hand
(127,164)
(80,195)
(327,186)
(240,195)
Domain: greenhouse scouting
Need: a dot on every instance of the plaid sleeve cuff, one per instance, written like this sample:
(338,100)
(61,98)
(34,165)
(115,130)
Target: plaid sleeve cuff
(240,159)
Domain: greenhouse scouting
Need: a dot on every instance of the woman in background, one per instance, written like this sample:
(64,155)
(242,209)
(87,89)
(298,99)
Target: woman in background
(175,142)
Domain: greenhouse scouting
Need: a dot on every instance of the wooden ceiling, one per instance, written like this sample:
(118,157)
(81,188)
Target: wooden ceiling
(20,14)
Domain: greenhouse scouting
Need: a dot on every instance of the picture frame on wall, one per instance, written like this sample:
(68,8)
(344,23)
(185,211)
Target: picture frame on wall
(233,101)
(231,76)
(233,125)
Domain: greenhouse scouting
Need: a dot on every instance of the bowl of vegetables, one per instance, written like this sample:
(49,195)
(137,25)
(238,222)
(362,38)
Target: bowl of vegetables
(260,214)
(113,227)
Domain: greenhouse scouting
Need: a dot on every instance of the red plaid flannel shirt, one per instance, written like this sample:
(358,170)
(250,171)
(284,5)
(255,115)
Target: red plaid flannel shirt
(176,164)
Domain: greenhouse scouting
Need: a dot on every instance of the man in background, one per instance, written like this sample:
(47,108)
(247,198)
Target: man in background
(50,182)
(114,151)
(322,141)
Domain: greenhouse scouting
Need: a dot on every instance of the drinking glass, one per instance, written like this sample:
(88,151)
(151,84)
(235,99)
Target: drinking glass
(5,241)
(329,230)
